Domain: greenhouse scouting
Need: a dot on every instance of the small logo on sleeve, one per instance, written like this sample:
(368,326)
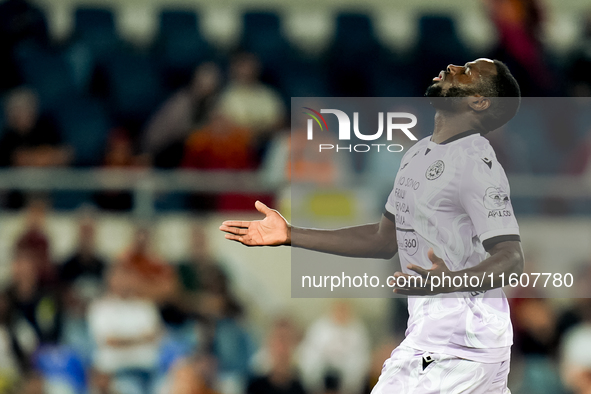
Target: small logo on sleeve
(488,162)
(435,170)
(496,200)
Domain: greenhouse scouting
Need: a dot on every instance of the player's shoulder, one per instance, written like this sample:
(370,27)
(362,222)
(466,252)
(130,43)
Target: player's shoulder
(418,145)
(477,149)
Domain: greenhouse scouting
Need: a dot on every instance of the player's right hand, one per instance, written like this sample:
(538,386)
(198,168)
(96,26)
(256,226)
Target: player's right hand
(273,230)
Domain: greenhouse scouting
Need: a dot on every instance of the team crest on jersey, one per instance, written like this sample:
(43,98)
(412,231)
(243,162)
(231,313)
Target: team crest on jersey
(435,170)
(495,198)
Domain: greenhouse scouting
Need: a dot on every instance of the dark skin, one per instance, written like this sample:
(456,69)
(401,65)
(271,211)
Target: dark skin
(378,240)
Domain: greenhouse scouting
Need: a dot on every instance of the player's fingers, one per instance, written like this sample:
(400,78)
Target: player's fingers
(410,292)
(238,238)
(236,223)
(433,257)
(419,270)
(234,230)
(262,208)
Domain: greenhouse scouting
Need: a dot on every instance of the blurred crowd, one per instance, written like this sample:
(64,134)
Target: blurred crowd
(137,324)
(142,325)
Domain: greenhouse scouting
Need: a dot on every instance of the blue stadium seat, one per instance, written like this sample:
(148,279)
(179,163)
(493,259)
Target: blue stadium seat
(178,22)
(303,78)
(259,25)
(438,45)
(180,47)
(48,73)
(85,125)
(439,40)
(354,43)
(95,28)
(262,35)
(134,86)
(352,29)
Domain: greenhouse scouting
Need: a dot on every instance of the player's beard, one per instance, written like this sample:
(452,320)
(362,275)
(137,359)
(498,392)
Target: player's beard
(448,100)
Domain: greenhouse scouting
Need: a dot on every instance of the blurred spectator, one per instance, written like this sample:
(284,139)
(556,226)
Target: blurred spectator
(579,162)
(119,151)
(219,144)
(33,383)
(535,326)
(102,383)
(186,110)
(119,154)
(155,279)
(197,278)
(519,27)
(192,274)
(248,102)
(536,340)
(292,158)
(578,73)
(126,329)
(39,307)
(336,351)
(81,276)
(20,22)
(277,356)
(35,242)
(84,264)
(30,139)
(12,356)
(195,375)
(576,359)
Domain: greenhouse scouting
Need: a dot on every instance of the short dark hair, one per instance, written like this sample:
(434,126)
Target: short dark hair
(503,91)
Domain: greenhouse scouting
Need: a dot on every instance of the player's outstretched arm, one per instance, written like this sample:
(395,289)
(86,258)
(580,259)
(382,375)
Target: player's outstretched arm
(377,240)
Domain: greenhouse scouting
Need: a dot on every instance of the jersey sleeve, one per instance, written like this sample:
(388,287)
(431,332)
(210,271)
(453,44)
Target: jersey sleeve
(484,195)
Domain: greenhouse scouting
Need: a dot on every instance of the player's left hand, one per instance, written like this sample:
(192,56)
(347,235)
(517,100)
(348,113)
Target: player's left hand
(438,269)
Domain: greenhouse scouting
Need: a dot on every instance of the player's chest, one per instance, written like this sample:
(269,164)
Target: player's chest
(426,176)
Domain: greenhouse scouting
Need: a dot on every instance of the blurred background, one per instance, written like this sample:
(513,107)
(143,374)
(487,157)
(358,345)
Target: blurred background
(131,129)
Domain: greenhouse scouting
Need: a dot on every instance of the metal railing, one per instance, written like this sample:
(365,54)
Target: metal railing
(144,184)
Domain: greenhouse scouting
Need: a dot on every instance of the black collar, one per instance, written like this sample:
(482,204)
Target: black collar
(460,135)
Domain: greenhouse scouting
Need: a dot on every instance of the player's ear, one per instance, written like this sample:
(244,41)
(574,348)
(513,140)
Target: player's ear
(479,103)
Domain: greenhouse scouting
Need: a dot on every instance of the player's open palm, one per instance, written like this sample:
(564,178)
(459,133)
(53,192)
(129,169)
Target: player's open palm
(273,230)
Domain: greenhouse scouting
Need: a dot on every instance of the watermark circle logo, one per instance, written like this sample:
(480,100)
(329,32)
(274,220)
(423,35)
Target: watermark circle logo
(435,170)
(410,243)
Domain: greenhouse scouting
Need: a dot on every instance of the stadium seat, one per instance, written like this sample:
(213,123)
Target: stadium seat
(262,35)
(353,52)
(303,78)
(84,124)
(134,86)
(438,45)
(180,47)
(95,28)
(259,23)
(48,73)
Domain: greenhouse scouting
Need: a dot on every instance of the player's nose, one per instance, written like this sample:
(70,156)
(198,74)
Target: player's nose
(453,69)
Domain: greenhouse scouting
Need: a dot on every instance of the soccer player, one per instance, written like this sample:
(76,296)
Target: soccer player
(449,207)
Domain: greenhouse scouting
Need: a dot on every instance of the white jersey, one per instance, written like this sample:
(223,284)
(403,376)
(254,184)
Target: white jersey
(454,197)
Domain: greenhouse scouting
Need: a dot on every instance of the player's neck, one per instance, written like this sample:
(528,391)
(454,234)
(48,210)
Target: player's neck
(448,124)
